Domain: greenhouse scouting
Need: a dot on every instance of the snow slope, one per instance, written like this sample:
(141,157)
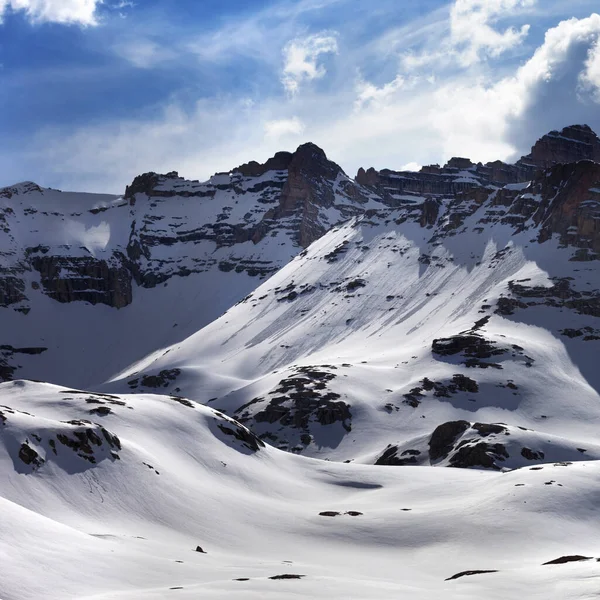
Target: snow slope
(95,282)
(384,330)
(128,528)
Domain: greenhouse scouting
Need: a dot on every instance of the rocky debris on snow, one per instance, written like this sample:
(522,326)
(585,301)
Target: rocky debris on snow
(89,441)
(300,401)
(443,438)
(567,559)
(458,383)
(337,252)
(243,435)
(84,436)
(476,350)
(471,450)
(587,333)
(468,573)
(558,295)
(162,379)
(390,457)
(530,454)
(29,456)
(290,292)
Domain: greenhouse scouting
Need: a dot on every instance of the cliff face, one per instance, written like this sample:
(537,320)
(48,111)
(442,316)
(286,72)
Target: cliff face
(572,144)
(97,249)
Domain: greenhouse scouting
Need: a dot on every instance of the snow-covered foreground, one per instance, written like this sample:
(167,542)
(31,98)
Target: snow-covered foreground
(118,513)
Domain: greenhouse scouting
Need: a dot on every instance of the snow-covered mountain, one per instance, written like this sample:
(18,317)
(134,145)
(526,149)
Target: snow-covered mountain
(139,272)
(264,348)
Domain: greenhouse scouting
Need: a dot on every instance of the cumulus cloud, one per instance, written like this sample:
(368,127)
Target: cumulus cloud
(558,85)
(472,34)
(80,12)
(479,110)
(301,59)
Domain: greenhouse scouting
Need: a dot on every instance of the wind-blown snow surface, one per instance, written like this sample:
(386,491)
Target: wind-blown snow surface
(128,528)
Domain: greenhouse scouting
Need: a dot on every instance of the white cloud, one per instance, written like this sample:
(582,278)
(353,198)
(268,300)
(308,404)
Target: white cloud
(80,12)
(393,120)
(590,78)
(471,30)
(371,94)
(283,127)
(472,35)
(301,58)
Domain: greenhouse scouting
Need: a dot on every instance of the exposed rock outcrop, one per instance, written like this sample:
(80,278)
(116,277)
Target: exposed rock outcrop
(571,144)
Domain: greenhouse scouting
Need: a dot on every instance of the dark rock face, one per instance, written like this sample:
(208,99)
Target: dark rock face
(468,573)
(572,144)
(567,559)
(162,379)
(280,162)
(530,454)
(300,402)
(85,437)
(290,196)
(244,435)
(558,295)
(309,186)
(443,438)
(458,383)
(8,355)
(478,454)
(67,279)
(390,457)
(12,291)
(472,450)
(30,457)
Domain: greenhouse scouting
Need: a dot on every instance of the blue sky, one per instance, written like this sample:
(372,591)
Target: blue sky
(93,93)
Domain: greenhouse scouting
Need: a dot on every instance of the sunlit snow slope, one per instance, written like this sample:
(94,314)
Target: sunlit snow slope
(384,330)
(113,503)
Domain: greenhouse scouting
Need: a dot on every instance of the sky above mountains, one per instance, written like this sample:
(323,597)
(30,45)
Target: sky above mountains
(94,93)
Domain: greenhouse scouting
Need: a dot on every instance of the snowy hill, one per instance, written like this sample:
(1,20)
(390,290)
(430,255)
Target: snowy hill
(268,524)
(278,358)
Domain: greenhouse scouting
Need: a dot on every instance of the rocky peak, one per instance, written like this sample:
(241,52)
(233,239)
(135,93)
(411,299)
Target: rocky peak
(20,189)
(279,162)
(142,184)
(310,185)
(571,144)
(457,162)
